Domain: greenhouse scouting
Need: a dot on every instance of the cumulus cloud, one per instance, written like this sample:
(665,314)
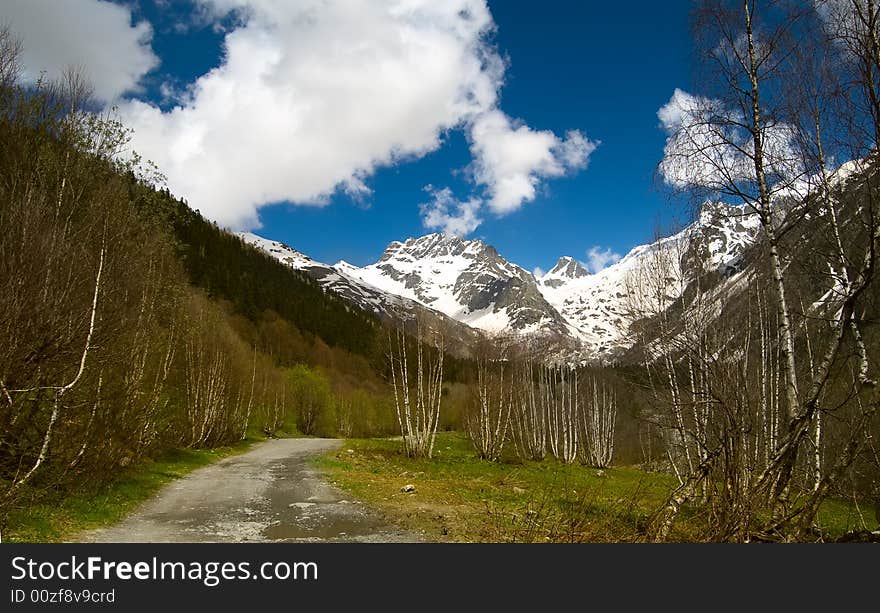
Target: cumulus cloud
(511,159)
(573,152)
(310,98)
(538,272)
(599,258)
(707,147)
(449,215)
(313,96)
(93,35)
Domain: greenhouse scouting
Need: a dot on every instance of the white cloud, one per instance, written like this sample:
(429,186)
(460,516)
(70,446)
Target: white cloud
(511,159)
(310,98)
(707,146)
(538,272)
(449,215)
(90,34)
(313,96)
(574,151)
(599,258)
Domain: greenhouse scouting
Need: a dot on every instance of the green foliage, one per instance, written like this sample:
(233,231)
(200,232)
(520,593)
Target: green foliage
(312,399)
(361,414)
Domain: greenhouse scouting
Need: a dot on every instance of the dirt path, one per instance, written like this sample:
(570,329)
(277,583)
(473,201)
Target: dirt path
(270,493)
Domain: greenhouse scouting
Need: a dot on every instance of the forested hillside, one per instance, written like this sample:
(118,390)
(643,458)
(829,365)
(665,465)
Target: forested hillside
(130,325)
(218,262)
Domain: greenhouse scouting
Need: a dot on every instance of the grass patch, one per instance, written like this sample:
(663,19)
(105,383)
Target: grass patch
(459,498)
(60,518)
(838,517)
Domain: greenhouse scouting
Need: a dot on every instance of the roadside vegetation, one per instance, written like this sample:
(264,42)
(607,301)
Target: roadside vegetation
(60,517)
(458,497)
(132,329)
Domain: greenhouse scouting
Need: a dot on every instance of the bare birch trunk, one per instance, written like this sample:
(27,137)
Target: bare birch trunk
(598,419)
(59,392)
(419,423)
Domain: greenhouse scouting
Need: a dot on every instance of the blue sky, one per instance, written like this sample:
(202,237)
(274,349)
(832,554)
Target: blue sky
(597,66)
(603,69)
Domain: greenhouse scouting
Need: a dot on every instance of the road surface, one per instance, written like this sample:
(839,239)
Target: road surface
(270,493)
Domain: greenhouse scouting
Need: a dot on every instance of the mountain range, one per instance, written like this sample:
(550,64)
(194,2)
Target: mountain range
(470,289)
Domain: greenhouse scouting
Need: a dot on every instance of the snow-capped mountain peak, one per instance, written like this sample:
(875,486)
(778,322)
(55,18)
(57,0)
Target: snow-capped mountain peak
(566,268)
(436,245)
(466,281)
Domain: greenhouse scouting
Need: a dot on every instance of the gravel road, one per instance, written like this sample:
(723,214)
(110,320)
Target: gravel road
(270,493)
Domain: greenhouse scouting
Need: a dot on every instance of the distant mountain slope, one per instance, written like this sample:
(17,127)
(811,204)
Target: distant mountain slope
(596,305)
(381,303)
(453,281)
(217,261)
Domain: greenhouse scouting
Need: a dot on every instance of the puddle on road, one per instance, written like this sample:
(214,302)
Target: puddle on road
(305,507)
(325,528)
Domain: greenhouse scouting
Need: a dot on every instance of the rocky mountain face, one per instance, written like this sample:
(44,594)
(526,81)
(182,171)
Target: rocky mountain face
(466,280)
(566,269)
(468,288)
(385,305)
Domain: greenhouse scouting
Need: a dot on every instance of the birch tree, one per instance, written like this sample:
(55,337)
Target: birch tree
(597,420)
(60,391)
(559,393)
(488,419)
(734,144)
(741,141)
(417,382)
(529,415)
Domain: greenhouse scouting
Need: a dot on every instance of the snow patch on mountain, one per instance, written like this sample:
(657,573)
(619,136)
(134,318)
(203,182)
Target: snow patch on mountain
(468,282)
(601,306)
(281,252)
(464,279)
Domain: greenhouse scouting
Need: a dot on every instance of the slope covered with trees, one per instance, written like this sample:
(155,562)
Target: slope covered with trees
(225,268)
(765,383)
(129,325)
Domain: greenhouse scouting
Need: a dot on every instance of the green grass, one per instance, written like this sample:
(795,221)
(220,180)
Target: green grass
(840,516)
(460,498)
(60,518)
